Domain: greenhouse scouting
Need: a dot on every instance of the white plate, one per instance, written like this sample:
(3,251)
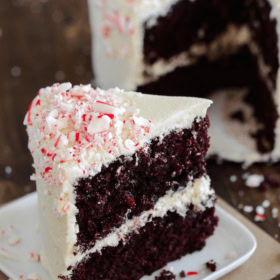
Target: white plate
(232,244)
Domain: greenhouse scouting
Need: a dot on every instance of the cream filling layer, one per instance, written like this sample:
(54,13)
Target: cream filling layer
(227,43)
(197,193)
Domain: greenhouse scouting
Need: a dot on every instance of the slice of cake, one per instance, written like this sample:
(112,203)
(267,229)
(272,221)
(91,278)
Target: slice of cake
(121,180)
(193,48)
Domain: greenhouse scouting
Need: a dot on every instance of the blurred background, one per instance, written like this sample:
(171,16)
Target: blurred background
(47,41)
(41,42)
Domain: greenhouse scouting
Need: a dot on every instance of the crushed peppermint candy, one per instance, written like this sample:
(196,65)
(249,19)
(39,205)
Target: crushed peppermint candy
(248,209)
(75,130)
(259,218)
(191,273)
(14,240)
(266,203)
(34,257)
(260,210)
(2,234)
(233,178)
(11,228)
(254,180)
(274,213)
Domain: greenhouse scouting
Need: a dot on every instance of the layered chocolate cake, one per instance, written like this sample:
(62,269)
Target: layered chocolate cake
(121,180)
(195,48)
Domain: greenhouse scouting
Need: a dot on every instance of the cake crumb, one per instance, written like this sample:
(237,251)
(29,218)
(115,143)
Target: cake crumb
(248,209)
(166,275)
(211,265)
(182,274)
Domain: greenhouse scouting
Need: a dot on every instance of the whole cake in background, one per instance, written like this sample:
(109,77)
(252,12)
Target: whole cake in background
(226,50)
(121,180)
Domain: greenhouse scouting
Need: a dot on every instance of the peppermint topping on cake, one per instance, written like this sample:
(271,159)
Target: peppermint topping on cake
(78,129)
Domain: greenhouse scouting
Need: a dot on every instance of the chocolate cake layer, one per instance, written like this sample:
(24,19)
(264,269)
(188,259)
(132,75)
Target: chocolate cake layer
(235,71)
(135,183)
(202,21)
(190,19)
(162,240)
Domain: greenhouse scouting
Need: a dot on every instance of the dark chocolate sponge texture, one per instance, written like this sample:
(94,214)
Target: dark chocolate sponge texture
(136,183)
(241,69)
(160,241)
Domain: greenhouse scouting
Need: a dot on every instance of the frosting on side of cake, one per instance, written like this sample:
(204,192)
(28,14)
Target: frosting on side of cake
(74,131)
(197,193)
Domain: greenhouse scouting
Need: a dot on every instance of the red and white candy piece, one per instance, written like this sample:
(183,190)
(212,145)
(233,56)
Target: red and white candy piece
(14,240)
(105,108)
(2,234)
(5,254)
(259,218)
(34,257)
(99,124)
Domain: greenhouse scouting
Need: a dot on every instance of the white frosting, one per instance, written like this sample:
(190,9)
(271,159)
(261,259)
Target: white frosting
(56,123)
(230,138)
(118,57)
(118,38)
